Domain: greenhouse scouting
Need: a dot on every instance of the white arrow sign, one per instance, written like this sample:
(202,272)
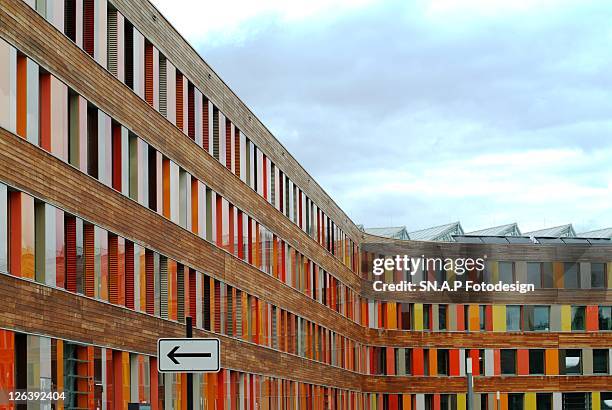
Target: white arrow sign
(188,355)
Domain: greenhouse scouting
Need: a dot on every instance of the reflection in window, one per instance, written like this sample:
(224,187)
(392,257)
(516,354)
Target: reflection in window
(598,275)
(606,401)
(605,318)
(578,317)
(571,276)
(506,272)
(534,274)
(513,318)
(537,318)
(571,361)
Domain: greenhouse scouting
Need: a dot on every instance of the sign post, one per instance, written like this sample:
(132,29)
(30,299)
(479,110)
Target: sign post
(189,335)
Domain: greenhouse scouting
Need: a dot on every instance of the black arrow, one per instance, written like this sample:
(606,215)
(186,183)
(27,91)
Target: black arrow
(172,354)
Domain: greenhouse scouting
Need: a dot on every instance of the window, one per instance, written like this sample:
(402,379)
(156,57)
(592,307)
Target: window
(513,318)
(3,228)
(442,309)
(598,275)
(402,361)
(408,361)
(443,362)
(571,276)
(506,272)
(606,401)
(440,276)
(536,361)
(508,361)
(578,318)
(605,318)
(600,361)
(537,318)
(543,401)
(404,316)
(571,361)
(92,141)
(427,317)
(448,401)
(482,315)
(534,274)
(576,401)
(540,274)
(515,401)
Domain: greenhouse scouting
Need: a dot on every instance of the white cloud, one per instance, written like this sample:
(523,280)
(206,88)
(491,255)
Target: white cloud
(199,20)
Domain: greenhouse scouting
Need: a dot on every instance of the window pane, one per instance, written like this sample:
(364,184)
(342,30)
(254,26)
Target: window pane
(541,318)
(482,313)
(578,319)
(515,401)
(605,318)
(513,318)
(571,278)
(3,228)
(544,401)
(426,321)
(442,361)
(606,401)
(600,361)
(576,401)
(573,361)
(442,317)
(534,274)
(598,275)
(547,275)
(508,361)
(506,272)
(536,361)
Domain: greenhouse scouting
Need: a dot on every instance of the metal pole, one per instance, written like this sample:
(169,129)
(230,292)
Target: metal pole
(189,331)
(470,386)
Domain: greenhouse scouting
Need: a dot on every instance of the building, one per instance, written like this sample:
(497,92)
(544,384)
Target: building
(393,232)
(438,233)
(137,190)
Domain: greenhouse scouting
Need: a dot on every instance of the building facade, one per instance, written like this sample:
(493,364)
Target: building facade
(136,190)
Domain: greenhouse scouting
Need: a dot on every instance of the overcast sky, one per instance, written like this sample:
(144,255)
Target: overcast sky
(420,113)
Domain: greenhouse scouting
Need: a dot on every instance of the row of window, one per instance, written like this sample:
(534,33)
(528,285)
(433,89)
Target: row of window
(104,33)
(54,117)
(399,361)
(94,377)
(100,378)
(498,318)
(560,275)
